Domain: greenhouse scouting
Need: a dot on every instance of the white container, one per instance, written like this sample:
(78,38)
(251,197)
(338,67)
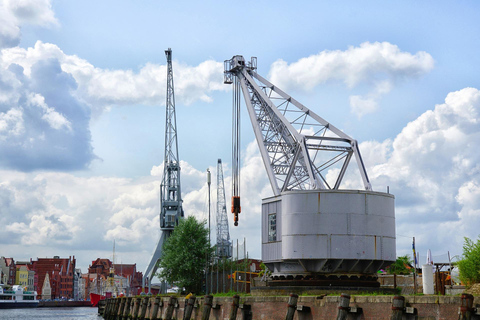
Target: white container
(427,278)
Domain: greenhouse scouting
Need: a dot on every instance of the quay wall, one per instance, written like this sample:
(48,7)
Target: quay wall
(276,307)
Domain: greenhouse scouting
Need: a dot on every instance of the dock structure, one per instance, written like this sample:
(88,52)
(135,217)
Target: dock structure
(342,306)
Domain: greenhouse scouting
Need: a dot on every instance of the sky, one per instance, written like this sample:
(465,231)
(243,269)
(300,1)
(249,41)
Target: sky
(82,114)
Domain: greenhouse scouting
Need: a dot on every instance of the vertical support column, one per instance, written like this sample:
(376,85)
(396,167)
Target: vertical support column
(466,307)
(398,306)
(233,310)
(292,306)
(170,308)
(189,303)
(343,306)
(207,306)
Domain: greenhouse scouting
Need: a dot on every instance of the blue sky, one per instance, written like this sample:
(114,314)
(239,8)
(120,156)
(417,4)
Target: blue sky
(82,96)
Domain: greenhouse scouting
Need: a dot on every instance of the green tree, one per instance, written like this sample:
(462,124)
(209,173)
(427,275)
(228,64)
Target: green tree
(469,266)
(185,255)
(400,266)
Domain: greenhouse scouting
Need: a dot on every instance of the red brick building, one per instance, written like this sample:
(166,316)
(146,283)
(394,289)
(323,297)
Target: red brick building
(101,267)
(60,272)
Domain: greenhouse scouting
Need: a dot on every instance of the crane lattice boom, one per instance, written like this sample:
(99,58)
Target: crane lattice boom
(299,148)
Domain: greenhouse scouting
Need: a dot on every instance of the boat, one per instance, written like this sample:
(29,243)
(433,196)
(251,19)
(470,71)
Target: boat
(16,297)
(94,298)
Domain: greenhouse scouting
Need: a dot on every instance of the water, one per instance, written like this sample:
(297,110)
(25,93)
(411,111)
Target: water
(84,313)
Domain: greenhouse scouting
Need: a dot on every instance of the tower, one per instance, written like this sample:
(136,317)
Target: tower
(170,189)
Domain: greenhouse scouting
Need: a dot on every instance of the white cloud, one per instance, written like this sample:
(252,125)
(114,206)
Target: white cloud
(15,13)
(378,64)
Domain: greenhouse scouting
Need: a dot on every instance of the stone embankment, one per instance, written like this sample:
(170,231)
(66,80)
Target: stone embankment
(293,307)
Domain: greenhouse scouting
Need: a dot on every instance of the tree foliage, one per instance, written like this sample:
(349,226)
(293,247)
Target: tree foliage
(400,266)
(185,255)
(469,266)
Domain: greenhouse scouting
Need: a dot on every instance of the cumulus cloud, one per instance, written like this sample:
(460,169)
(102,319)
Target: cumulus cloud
(15,13)
(379,65)
(433,169)
(47,99)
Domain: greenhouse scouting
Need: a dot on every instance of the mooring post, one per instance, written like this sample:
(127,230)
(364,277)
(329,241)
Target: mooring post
(343,306)
(170,308)
(207,306)
(233,310)
(187,311)
(398,306)
(292,306)
(466,307)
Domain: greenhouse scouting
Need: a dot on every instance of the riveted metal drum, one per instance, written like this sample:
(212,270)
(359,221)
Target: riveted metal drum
(315,232)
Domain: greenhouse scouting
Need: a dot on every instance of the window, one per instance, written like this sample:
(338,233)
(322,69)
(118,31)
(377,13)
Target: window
(272,227)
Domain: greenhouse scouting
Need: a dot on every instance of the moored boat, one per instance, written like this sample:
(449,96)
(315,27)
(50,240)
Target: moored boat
(16,297)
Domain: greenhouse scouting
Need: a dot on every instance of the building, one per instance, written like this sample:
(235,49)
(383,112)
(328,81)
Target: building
(46,292)
(60,276)
(8,271)
(78,285)
(25,272)
(125,279)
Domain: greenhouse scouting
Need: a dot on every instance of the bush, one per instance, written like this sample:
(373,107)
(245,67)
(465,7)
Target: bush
(469,266)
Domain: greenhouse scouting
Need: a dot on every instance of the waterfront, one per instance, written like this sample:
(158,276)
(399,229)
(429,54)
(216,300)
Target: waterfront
(86,313)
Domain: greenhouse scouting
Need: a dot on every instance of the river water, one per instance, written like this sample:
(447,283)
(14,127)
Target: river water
(84,313)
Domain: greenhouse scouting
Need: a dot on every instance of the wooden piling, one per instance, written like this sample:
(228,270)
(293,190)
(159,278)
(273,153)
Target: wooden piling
(121,307)
(126,310)
(291,306)
(187,311)
(398,306)
(113,311)
(108,306)
(138,302)
(153,314)
(466,307)
(143,308)
(101,307)
(343,306)
(233,310)
(170,308)
(207,306)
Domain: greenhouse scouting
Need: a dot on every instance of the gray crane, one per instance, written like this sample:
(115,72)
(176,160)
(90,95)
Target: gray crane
(224,245)
(312,228)
(171,209)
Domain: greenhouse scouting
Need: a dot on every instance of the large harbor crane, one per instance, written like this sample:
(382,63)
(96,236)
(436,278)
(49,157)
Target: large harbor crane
(311,227)
(171,209)
(224,245)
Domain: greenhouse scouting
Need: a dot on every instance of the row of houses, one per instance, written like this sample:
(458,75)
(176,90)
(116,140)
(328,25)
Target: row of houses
(58,278)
